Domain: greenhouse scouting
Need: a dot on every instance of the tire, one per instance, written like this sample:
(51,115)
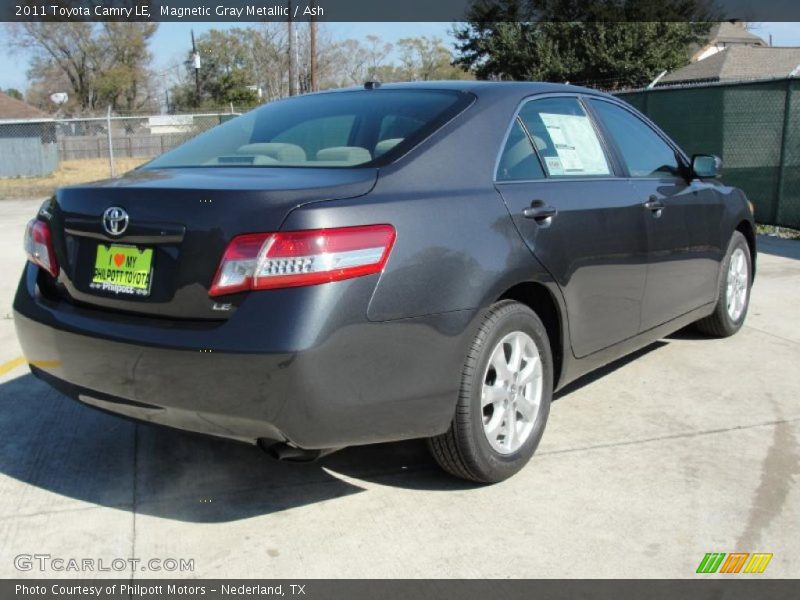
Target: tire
(465,450)
(724,322)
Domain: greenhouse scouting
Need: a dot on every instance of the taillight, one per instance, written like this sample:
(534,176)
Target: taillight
(39,246)
(260,261)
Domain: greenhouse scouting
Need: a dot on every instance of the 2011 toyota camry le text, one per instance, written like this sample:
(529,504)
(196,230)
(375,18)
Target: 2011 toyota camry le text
(427,260)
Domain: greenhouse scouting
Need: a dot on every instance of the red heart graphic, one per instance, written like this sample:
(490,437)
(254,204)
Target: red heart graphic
(119,259)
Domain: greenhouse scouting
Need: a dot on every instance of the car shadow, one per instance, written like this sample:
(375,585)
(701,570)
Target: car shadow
(79,453)
(606,370)
(776,246)
(690,332)
(61,446)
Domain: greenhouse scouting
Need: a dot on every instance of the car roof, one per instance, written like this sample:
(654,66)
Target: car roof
(481,88)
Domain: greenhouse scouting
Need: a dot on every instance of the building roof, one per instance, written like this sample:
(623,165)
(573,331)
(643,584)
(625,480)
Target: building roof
(733,33)
(11,108)
(738,63)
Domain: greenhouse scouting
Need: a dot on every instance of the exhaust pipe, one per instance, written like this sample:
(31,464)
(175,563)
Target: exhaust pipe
(286,453)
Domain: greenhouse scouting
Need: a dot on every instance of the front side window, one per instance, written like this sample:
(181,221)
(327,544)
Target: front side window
(645,153)
(565,137)
(340,129)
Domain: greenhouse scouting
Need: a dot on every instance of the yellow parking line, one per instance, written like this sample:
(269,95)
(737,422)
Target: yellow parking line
(45,364)
(12,364)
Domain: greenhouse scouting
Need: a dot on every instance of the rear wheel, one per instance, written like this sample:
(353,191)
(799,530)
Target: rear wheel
(504,400)
(734,293)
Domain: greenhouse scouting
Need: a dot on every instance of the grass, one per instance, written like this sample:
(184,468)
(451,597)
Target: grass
(781,232)
(69,172)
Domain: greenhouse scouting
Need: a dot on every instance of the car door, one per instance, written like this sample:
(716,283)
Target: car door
(683,216)
(583,222)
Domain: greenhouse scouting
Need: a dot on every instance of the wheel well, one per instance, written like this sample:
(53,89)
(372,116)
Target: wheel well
(539,299)
(746,229)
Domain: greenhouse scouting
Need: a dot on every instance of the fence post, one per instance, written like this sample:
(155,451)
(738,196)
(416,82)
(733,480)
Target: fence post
(110,144)
(787,110)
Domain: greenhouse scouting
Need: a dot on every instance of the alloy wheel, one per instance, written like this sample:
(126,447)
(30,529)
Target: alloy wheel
(512,392)
(738,281)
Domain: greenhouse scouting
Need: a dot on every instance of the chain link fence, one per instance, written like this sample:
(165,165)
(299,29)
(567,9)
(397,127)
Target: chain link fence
(37,156)
(753,126)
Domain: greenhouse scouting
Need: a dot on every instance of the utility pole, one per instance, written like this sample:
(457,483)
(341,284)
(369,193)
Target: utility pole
(312,34)
(292,65)
(196,64)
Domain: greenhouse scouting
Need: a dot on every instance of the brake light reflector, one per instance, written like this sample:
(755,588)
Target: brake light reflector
(39,246)
(259,261)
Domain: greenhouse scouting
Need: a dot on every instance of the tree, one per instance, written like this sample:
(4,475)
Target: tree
(126,83)
(427,59)
(270,44)
(96,64)
(14,93)
(359,62)
(327,54)
(226,71)
(612,43)
(418,59)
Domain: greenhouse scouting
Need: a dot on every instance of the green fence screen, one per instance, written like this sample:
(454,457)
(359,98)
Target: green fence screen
(754,127)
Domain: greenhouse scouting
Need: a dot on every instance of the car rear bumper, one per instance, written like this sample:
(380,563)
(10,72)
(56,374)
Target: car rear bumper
(307,368)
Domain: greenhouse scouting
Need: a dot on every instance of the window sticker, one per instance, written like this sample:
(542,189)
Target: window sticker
(554,165)
(576,144)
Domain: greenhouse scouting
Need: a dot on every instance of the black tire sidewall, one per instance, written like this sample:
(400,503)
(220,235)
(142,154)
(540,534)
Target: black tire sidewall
(491,464)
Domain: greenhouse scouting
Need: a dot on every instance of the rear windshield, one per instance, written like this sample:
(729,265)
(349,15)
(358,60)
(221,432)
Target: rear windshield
(341,129)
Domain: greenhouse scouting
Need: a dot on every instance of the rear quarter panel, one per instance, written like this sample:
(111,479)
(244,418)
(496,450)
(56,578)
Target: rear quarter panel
(456,247)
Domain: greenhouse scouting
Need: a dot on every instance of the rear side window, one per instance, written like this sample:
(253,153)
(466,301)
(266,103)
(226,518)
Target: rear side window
(340,129)
(645,152)
(518,161)
(565,138)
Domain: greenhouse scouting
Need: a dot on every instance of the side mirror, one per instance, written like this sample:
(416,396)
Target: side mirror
(706,166)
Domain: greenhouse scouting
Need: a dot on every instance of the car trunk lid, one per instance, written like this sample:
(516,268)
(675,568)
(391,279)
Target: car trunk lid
(186,217)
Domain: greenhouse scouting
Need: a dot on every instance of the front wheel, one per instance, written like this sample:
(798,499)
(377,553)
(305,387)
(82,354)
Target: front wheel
(734,293)
(502,409)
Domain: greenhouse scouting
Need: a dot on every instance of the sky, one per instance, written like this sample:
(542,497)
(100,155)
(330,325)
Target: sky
(172,41)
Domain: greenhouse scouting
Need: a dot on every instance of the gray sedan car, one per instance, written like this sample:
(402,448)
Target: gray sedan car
(399,261)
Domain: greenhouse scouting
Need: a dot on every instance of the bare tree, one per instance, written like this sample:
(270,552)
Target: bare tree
(425,59)
(271,60)
(100,64)
(359,61)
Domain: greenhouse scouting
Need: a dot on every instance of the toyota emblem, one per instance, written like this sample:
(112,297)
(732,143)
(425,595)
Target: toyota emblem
(115,220)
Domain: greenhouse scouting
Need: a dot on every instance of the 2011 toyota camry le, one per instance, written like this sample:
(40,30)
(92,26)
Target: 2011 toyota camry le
(426,260)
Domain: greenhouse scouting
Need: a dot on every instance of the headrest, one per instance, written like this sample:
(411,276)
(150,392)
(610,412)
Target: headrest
(285,153)
(351,155)
(384,146)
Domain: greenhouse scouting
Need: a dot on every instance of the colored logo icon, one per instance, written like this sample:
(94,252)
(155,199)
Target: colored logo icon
(734,562)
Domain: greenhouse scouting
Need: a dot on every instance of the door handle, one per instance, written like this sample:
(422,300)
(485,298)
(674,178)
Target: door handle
(539,211)
(654,204)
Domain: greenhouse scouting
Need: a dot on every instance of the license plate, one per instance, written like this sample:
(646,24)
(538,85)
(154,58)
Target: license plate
(122,269)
